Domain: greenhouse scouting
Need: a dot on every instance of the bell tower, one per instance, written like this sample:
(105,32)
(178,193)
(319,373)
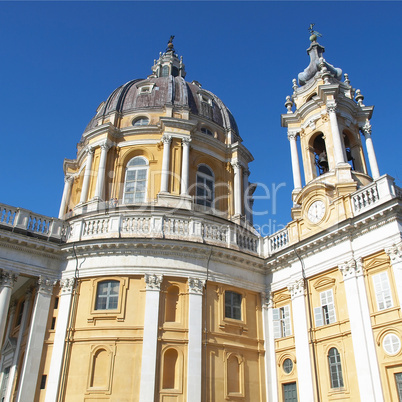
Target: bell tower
(328,117)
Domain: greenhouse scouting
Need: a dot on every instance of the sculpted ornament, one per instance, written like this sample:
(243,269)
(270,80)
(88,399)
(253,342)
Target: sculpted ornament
(166,139)
(351,269)
(366,129)
(8,278)
(45,285)
(395,253)
(153,282)
(67,285)
(292,135)
(185,141)
(331,107)
(196,286)
(297,288)
(266,299)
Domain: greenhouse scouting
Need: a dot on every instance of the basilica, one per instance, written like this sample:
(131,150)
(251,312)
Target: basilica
(152,285)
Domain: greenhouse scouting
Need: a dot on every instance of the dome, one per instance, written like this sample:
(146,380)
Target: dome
(166,87)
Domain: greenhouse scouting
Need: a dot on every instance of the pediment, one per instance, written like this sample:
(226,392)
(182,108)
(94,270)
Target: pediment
(377,262)
(9,346)
(281,297)
(324,282)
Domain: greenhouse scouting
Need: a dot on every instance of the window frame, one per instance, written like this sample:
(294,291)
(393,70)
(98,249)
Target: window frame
(379,293)
(118,313)
(112,299)
(140,119)
(282,321)
(233,308)
(135,181)
(205,177)
(325,314)
(337,364)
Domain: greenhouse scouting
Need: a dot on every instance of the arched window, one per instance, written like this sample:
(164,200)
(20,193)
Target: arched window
(172,304)
(205,130)
(205,186)
(107,295)
(135,184)
(348,149)
(170,367)
(165,71)
(335,368)
(233,373)
(140,121)
(320,155)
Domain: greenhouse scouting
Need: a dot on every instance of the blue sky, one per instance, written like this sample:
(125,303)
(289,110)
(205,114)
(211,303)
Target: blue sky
(60,60)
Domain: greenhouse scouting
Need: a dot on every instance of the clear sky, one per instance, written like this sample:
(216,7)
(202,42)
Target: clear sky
(60,60)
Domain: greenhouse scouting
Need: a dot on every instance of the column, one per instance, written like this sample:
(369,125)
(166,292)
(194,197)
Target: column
(7,280)
(13,369)
(167,139)
(150,337)
(305,379)
(194,364)
(366,130)
(297,183)
(63,316)
(100,182)
(271,381)
(246,195)
(395,255)
(185,164)
(68,182)
(336,136)
(368,375)
(237,187)
(36,336)
(87,175)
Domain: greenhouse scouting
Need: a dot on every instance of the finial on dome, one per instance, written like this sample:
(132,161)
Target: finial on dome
(170,44)
(313,34)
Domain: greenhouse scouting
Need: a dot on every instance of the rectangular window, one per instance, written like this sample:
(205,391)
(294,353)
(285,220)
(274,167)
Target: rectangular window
(53,325)
(233,305)
(56,303)
(382,290)
(290,392)
(282,325)
(325,314)
(398,381)
(43,381)
(107,295)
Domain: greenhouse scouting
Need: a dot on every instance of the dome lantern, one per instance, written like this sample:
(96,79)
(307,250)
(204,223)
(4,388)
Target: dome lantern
(168,63)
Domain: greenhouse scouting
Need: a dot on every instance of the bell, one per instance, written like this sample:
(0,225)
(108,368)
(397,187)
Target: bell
(322,160)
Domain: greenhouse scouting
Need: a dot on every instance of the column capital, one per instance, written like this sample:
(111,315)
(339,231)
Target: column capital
(166,139)
(45,285)
(266,299)
(395,252)
(292,134)
(185,141)
(196,286)
(153,282)
(90,150)
(351,268)
(296,289)
(246,172)
(8,278)
(236,164)
(105,146)
(366,129)
(67,285)
(68,179)
(331,106)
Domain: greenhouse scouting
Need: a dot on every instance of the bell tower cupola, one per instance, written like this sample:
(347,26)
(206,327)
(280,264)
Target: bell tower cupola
(326,121)
(168,63)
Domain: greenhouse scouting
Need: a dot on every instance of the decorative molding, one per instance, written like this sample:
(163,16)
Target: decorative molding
(395,253)
(296,289)
(196,286)
(8,278)
(352,268)
(153,282)
(67,285)
(45,285)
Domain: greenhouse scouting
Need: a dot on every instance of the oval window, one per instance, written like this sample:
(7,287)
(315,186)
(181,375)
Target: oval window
(391,344)
(287,366)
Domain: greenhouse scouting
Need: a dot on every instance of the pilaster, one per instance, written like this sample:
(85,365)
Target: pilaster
(150,337)
(395,254)
(7,280)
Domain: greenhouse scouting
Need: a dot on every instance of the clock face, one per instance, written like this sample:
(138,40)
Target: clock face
(316,211)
